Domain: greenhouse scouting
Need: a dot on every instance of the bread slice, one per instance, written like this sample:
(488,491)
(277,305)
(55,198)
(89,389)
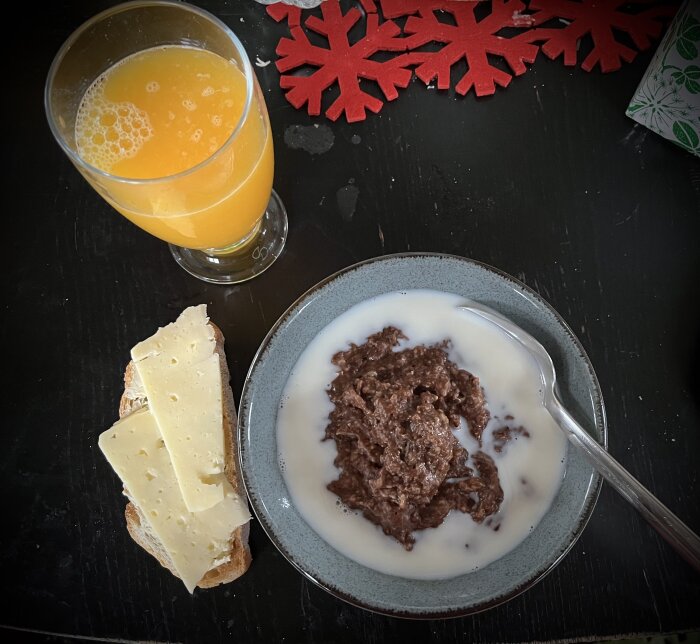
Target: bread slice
(238,557)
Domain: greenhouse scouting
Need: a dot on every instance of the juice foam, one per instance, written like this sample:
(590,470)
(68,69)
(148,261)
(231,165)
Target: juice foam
(159,112)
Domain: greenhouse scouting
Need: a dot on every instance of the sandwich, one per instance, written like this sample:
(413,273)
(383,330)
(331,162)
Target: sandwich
(174,449)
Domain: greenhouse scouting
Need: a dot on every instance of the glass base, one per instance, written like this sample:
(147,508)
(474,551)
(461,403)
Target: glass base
(247,258)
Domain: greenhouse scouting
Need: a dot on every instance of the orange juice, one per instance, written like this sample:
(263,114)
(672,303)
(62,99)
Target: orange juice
(164,118)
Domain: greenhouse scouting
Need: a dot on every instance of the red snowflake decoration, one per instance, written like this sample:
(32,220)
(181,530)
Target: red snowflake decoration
(599,18)
(471,36)
(342,62)
(469,39)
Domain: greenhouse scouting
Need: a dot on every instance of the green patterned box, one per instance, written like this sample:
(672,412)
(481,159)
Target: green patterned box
(667,100)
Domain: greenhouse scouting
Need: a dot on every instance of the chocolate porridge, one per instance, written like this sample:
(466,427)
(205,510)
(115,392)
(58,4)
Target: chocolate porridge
(392,423)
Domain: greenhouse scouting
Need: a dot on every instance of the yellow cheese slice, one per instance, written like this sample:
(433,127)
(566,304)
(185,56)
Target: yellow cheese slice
(194,541)
(182,381)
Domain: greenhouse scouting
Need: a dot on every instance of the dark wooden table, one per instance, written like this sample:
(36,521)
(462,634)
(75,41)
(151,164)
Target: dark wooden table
(547,180)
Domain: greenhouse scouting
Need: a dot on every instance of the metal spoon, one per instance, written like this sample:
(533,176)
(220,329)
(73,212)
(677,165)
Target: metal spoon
(667,524)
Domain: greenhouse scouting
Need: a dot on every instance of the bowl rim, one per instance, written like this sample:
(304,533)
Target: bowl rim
(592,491)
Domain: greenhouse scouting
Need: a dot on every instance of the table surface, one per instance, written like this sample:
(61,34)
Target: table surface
(548,181)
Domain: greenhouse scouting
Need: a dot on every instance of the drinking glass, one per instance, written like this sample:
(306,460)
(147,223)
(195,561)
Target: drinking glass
(124,103)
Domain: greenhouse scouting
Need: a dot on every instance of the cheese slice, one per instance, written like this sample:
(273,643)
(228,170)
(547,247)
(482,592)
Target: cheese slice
(194,541)
(181,378)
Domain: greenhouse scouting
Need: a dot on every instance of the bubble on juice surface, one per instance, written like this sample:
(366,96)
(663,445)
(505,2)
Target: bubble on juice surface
(189,105)
(152,87)
(108,132)
(216,120)
(196,136)
(208,91)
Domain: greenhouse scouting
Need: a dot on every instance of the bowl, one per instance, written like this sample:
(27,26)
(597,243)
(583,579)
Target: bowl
(361,586)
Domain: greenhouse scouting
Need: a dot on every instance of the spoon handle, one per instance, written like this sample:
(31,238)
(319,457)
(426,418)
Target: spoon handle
(667,524)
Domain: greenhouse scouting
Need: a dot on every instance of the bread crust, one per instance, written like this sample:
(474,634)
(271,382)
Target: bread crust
(239,555)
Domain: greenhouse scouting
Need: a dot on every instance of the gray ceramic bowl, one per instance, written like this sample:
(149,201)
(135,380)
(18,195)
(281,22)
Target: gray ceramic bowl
(258,456)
